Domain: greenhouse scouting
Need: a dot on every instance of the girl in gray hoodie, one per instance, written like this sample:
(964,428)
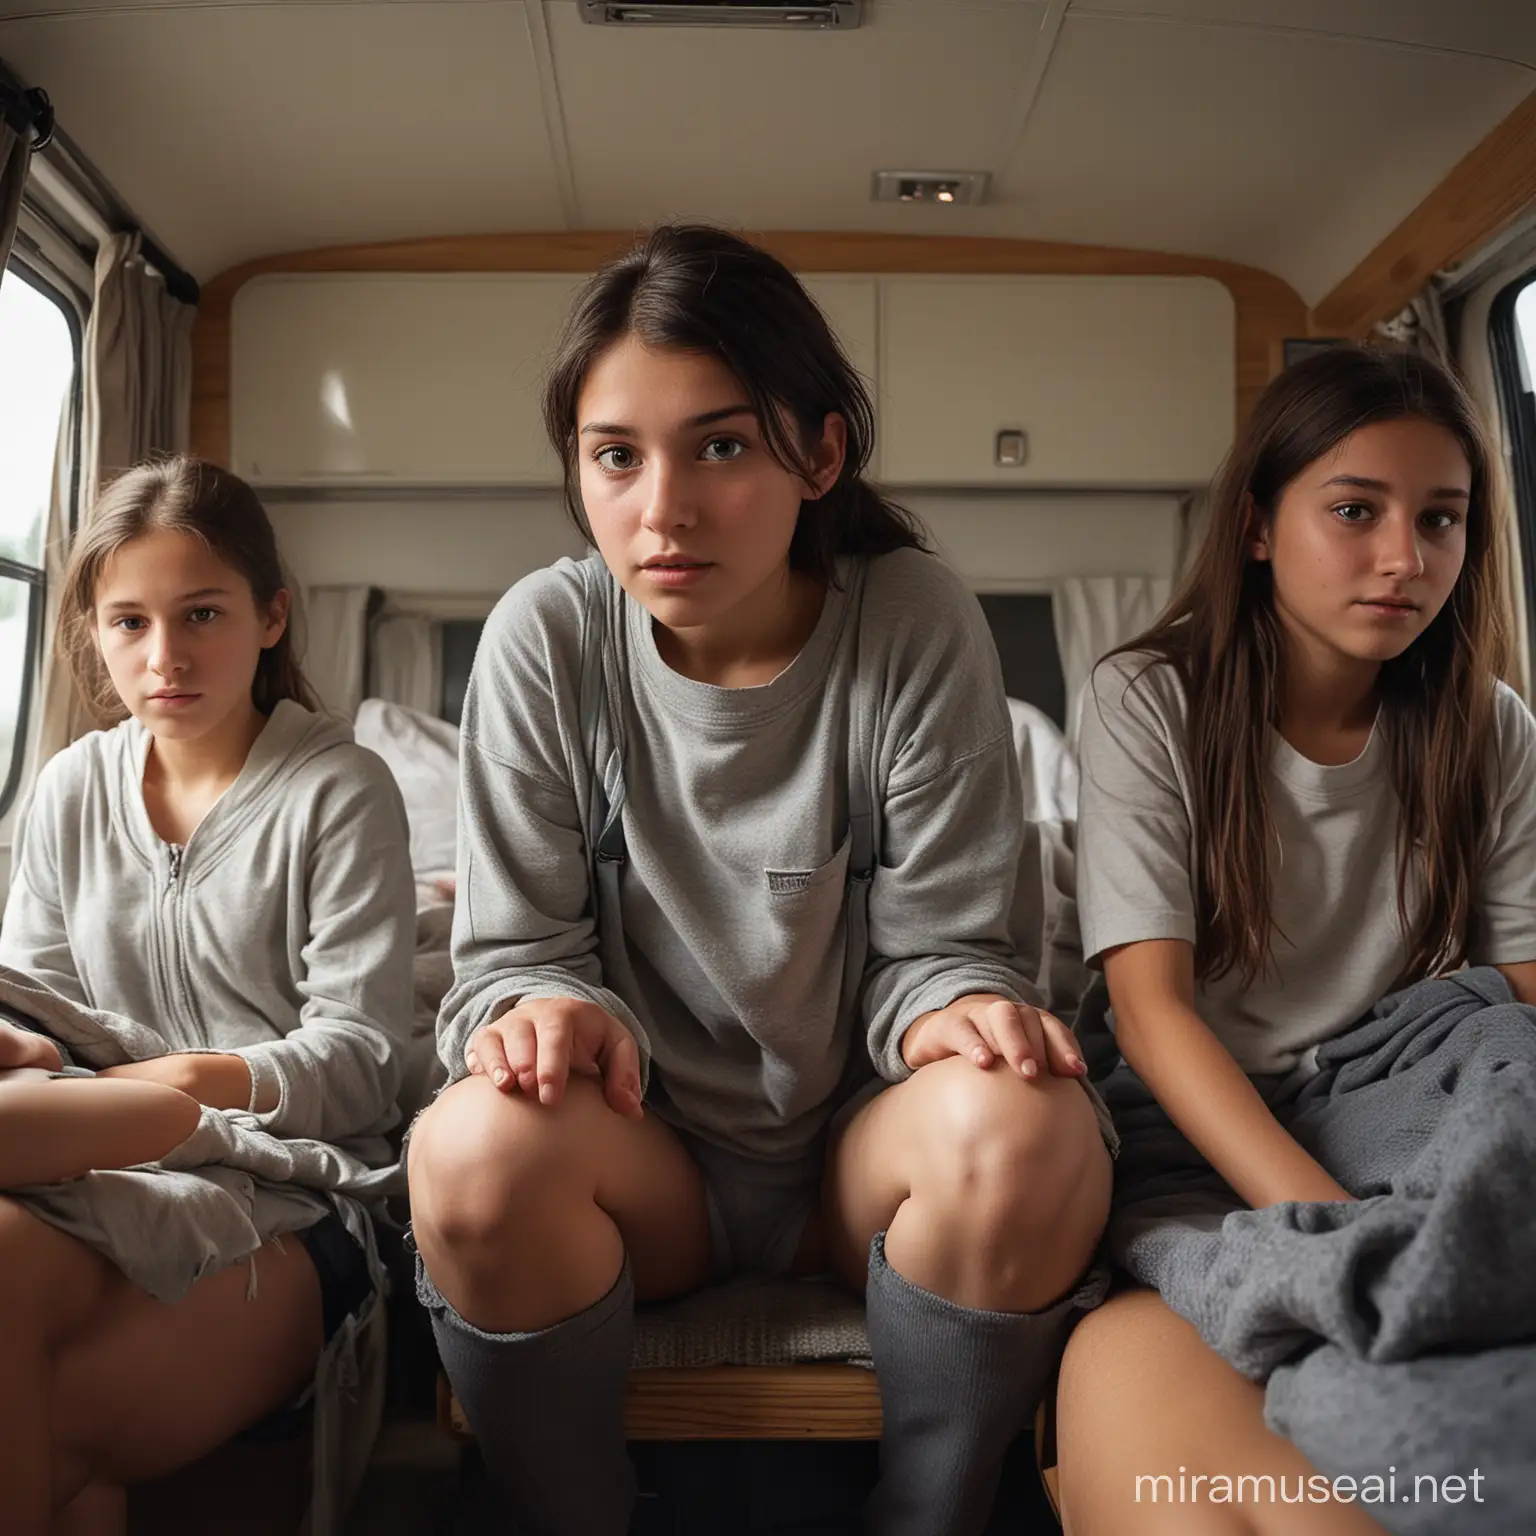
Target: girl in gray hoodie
(227,867)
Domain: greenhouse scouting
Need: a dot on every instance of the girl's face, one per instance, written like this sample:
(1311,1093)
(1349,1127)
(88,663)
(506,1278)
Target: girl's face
(689,509)
(181,633)
(1367,541)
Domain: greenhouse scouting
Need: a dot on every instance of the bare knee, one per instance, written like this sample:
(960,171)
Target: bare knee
(1020,1165)
(482,1161)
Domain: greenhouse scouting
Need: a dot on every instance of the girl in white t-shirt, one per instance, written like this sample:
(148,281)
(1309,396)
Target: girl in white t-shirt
(1305,786)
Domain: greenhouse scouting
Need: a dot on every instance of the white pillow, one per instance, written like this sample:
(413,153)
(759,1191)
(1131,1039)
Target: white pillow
(1046,764)
(423,754)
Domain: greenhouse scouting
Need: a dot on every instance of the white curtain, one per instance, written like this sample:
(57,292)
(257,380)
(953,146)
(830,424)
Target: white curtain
(406,662)
(335,643)
(1094,614)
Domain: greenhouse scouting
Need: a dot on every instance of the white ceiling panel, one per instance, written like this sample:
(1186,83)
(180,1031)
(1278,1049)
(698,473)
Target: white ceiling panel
(240,132)
(1289,152)
(1504,29)
(783,129)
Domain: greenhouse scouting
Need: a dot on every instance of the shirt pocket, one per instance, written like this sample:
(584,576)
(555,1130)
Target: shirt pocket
(786,885)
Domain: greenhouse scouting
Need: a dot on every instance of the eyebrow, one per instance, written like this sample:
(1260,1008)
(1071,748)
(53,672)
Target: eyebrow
(186,597)
(1360,482)
(708,419)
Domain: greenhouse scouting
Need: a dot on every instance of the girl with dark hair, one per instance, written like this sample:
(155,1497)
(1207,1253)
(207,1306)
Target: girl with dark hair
(1305,787)
(739,825)
(225,867)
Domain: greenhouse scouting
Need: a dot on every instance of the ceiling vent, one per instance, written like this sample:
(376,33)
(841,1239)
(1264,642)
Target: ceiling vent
(942,187)
(818,16)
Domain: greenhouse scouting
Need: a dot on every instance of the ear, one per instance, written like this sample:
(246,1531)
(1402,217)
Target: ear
(1258,532)
(278,611)
(826,458)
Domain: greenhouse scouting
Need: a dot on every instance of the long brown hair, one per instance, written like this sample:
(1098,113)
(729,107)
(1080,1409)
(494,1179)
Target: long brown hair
(695,288)
(184,495)
(1221,634)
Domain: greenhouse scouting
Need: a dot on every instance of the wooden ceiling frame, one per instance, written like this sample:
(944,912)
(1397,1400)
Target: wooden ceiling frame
(1267,309)
(1488,188)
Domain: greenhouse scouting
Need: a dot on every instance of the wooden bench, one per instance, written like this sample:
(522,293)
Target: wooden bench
(733,1402)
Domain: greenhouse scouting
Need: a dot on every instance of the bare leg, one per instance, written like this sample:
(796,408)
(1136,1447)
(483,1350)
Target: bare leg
(1141,1394)
(523,1213)
(992,1191)
(99,1509)
(108,1386)
(967,1204)
(60,1128)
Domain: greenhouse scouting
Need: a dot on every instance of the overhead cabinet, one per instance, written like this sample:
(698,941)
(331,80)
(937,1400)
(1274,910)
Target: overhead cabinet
(427,380)
(1078,380)
(433,379)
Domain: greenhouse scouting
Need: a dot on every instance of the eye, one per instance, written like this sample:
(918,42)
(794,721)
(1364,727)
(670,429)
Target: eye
(1353,512)
(129,623)
(1438,519)
(721,450)
(616,458)
(203,615)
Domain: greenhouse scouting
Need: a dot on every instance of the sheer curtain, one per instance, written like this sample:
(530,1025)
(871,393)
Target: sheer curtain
(406,662)
(334,645)
(1094,614)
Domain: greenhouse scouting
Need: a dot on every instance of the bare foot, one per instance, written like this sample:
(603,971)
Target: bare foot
(23,1048)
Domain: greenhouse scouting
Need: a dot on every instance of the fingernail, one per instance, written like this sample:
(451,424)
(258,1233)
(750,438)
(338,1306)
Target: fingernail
(500,1076)
(1029,1069)
(546,1093)
(1075,1062)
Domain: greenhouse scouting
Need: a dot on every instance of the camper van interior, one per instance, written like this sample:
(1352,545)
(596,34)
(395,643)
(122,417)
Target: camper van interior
(330,246)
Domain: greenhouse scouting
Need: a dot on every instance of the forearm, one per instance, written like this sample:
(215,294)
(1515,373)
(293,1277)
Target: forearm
(1211,1100)
(221,1080)
(53,1129)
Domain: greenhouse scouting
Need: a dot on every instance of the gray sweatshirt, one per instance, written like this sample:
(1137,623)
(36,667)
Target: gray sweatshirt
(734,892)
(282,932)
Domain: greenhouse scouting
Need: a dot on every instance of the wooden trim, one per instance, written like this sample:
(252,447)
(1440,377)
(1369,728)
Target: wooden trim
(733,1402)
(1484,191)
(1268,309)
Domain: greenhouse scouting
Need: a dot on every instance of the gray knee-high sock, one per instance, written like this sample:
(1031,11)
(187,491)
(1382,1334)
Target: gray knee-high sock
(956,1386)
(548,1411)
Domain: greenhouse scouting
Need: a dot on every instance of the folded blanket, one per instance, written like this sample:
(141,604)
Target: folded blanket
(1399,1328)
(215,1198)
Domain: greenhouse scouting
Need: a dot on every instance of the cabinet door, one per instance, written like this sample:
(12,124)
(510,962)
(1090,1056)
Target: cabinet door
(1116,381)
(429,379)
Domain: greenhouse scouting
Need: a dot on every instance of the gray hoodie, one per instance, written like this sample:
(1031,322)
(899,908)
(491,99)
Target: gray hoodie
(282,932)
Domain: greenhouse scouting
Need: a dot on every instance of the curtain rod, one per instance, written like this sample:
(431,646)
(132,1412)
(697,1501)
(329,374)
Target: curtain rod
(28,109)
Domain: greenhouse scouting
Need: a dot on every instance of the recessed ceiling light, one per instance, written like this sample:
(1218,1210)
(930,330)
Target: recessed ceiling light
(931,186)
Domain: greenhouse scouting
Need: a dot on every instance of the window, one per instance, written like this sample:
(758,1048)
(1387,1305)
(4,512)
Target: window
(39,341)
(1512,322)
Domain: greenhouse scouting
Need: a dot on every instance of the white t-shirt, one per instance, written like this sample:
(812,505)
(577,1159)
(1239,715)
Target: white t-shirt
(1339,943)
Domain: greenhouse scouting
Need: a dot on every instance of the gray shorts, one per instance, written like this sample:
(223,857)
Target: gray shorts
(758,1210)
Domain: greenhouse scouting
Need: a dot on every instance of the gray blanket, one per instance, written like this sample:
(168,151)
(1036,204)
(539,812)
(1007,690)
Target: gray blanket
(1399,1330)
(215,1199)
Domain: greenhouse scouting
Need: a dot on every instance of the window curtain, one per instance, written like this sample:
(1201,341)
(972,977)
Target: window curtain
(138,366)
(136,392)
(1094,614)
(406,662)
(334,645)
(1422,326)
